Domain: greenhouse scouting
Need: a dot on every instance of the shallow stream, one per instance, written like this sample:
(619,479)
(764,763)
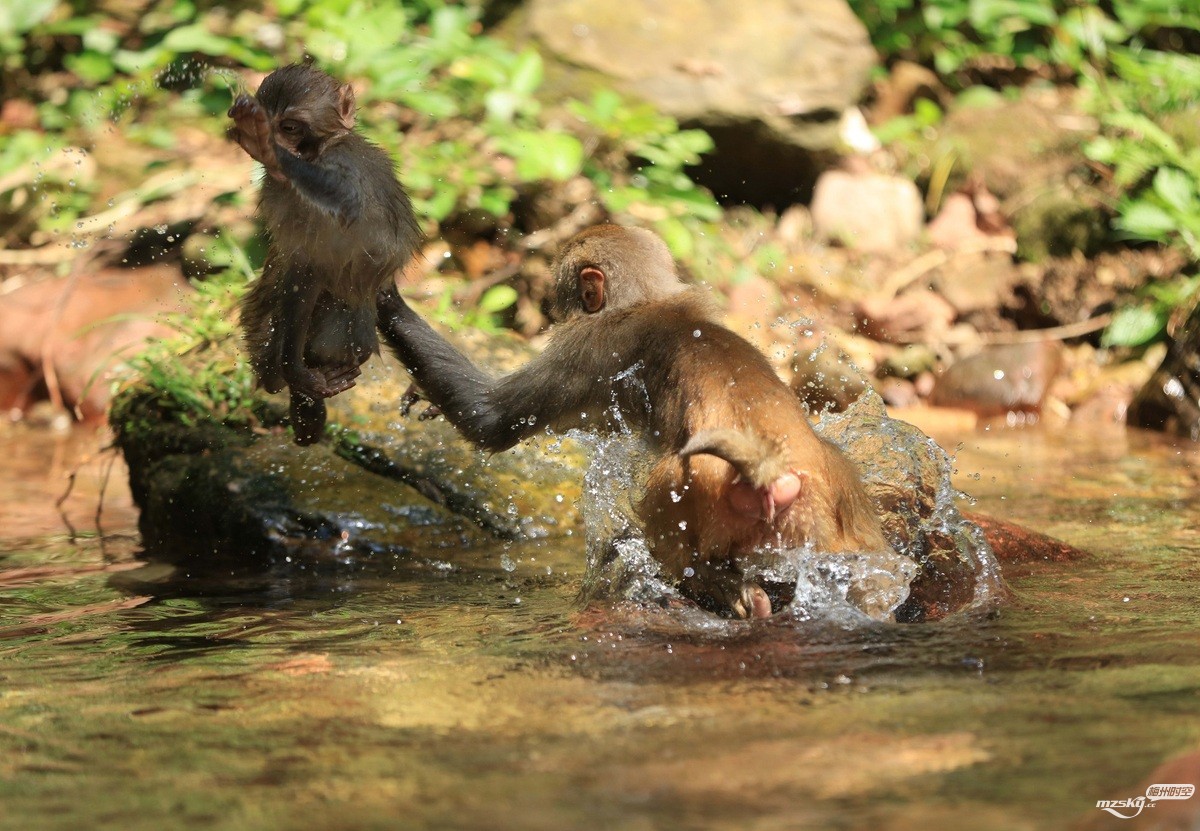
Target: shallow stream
(471,691)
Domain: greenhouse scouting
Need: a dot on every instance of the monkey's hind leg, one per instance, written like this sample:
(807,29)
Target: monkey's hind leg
(721,589)
(308,418)
(260,330)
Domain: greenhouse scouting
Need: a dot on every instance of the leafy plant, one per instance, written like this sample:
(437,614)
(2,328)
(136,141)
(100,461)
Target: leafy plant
(484,315)
(656,186)
(194,375)
(1146,321)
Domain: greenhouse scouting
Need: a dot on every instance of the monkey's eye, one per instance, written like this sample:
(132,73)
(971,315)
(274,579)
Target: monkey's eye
(289,126)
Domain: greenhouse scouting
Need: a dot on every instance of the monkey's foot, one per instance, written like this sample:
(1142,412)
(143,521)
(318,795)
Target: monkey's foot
(322,383)
(341,379)
(752,602)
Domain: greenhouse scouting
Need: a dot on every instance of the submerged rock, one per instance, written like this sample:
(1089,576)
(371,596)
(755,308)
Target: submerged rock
(907,475)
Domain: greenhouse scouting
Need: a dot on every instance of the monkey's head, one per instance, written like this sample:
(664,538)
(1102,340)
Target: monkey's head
(307,108)
(610,267)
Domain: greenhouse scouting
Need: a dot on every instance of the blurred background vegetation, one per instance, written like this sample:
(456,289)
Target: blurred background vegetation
(99,99)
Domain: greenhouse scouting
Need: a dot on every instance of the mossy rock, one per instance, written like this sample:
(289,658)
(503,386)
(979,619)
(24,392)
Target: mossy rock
(385,483)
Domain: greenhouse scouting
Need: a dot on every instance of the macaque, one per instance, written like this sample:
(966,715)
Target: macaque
(340,226)
(739,467)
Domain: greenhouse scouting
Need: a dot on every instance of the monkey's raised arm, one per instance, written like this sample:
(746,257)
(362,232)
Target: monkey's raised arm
(493,413)
(331,187)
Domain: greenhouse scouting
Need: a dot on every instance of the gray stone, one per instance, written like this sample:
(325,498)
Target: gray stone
(768,79)
(867,211)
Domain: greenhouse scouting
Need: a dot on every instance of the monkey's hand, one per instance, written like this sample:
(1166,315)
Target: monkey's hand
(411,397)
(252,131)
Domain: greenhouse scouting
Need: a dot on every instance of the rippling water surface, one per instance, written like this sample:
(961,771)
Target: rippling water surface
(471,690)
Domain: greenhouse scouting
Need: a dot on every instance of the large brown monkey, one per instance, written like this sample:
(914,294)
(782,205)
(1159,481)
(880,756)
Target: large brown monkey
(740,467)
(340,226)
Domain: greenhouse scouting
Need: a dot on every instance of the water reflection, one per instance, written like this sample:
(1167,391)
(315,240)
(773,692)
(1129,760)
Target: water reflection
(470,689)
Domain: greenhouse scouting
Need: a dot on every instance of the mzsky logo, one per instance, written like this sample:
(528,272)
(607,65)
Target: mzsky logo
(1137,803)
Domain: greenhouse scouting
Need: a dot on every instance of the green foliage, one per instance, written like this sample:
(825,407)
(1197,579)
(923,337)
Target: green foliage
(470,135)
(1157,175)
(951,35)
(1146,321)
(1129,87)
(656,188)
(43,183)
(485,315)
(193,375)
(925,114)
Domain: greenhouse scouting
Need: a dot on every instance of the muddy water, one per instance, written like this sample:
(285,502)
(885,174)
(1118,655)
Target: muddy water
(471,691)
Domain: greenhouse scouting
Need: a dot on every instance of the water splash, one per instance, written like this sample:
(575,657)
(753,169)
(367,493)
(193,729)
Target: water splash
(941,563)
(907,474)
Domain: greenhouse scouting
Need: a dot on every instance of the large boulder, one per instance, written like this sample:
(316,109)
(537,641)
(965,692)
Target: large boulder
(769,80)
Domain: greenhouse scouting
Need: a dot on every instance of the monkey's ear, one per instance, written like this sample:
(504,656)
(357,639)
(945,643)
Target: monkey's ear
(591,289)
(346,106)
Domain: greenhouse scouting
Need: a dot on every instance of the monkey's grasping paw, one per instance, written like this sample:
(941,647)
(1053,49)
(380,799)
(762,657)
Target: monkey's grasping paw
(413,396)
(252,131)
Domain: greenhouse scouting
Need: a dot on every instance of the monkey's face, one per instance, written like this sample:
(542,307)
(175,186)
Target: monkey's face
(306,108)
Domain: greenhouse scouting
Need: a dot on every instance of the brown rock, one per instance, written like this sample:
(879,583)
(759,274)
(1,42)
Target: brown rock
(763,78)
(867,211)
(63,336)
(916,315)
(1000,379)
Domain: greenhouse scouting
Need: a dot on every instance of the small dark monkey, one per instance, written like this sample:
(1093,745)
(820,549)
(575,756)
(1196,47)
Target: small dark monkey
(739,467)
(340,226)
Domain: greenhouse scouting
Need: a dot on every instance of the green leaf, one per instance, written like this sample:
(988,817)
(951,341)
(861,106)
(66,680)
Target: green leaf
(496,201)
(1145,220)
(434,104)
(497,299)
(1176,188)
(677,237)
(19,16)
(1134,326)
(92,68)
(527,74)
(555,156)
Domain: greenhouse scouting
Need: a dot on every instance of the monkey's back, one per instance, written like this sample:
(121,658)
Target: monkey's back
(705,375)
(708,377)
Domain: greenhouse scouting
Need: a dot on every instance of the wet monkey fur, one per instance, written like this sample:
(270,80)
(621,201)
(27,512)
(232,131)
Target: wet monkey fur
(340,226)
(739,467)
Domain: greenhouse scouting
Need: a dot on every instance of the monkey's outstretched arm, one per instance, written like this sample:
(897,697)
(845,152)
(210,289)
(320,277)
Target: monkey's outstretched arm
(330,186)
(492,413)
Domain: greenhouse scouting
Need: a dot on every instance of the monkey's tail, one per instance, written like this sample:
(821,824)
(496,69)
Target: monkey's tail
(759,461)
